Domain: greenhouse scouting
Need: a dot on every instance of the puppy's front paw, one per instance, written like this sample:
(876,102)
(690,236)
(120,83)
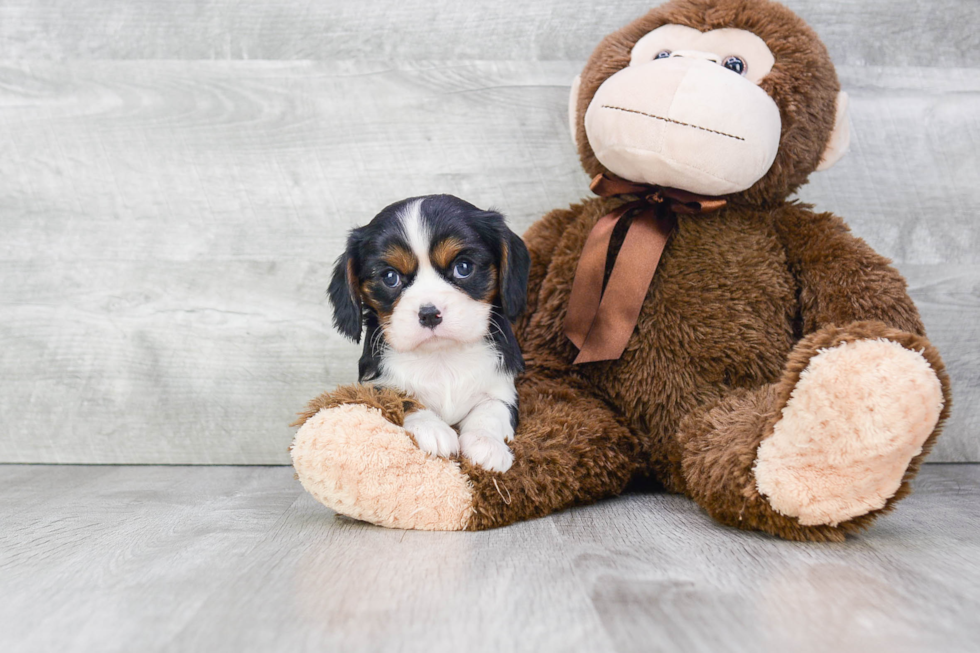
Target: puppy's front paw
(432,434)
(486,450)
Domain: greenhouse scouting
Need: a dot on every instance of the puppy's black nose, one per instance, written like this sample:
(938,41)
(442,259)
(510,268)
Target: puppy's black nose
(429,316)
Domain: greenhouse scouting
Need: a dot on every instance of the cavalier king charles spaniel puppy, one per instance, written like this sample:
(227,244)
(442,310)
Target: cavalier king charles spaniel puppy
(433,284)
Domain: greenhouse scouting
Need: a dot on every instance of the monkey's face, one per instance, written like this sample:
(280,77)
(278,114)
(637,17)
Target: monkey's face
(718,97)
(688,112)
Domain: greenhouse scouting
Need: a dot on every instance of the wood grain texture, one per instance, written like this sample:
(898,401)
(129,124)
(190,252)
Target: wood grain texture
(184,160)
(872,32)
(909,184)
(948,297)
(169,228)
(240,559)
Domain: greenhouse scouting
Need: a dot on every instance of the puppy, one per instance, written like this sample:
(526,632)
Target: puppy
(434,283)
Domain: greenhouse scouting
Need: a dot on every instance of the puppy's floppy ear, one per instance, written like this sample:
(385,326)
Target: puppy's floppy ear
(369,366)
(515,264)
(344,294)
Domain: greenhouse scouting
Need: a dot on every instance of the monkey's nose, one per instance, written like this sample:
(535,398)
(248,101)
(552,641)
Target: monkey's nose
(429,316)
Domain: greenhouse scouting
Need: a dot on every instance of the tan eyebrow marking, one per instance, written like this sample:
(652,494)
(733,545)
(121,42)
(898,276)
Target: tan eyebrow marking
(366,287)
(446,251)
(493,288)
(401,259)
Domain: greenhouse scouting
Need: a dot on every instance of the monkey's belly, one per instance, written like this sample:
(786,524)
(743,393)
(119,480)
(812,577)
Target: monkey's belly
(719,315)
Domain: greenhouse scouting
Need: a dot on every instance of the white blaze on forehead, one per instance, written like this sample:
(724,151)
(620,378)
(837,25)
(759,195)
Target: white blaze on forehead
(417,232)
(464,319)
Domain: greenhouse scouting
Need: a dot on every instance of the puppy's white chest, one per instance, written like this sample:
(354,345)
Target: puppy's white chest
(451,381)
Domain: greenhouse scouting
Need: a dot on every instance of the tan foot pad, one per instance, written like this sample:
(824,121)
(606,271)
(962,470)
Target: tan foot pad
(359,464)
(858,415)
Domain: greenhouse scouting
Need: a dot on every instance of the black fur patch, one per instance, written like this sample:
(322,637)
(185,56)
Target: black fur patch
(369,366)
(503,338)
(343,291)
(514,412)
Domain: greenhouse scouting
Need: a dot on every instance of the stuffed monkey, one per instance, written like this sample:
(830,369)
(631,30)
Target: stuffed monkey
(690,325)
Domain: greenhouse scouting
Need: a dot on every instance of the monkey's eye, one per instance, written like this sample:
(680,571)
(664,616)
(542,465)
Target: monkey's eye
(663,54)
(735,64)
(391,278)
(462,269)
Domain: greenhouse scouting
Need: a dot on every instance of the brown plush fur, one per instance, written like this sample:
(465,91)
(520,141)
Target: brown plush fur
(742,299)
(393,405)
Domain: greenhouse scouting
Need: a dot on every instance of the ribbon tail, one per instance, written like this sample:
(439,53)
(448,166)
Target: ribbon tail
(586,293)
(620,305)
(606,185)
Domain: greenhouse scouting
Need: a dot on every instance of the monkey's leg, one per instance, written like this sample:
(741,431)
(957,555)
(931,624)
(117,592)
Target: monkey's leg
(830,446)
(569,449)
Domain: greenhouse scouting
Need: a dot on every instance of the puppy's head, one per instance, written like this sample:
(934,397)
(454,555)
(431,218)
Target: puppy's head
(432,270)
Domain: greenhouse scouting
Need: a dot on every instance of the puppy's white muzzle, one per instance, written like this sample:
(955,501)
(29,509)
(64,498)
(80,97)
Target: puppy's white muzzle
(461,318)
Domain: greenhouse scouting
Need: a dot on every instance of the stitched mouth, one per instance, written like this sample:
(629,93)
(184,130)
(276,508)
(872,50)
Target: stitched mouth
(671,121)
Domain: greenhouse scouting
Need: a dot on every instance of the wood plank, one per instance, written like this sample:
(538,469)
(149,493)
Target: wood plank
(163,362)
(878,32)
(231,559)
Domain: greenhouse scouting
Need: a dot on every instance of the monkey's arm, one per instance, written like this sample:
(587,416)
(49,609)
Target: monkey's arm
(841,278)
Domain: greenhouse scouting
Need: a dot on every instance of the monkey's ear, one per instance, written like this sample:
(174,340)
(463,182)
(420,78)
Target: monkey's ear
(840,138)
(515,264)
(344,294)
(573,106)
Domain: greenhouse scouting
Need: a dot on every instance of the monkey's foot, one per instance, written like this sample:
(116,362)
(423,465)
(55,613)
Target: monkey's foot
(356,462)
(858,415)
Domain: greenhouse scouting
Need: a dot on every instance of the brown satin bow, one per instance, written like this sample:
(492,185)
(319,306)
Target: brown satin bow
(600,322)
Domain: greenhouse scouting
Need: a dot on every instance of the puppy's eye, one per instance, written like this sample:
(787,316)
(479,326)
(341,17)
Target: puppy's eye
(663,54)
(391,278)
(462,269)
(735,64)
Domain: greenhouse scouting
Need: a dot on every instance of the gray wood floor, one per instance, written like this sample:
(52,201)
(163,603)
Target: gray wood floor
(240,559)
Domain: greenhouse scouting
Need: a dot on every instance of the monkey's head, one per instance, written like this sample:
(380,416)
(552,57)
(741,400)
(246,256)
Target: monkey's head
(733,98)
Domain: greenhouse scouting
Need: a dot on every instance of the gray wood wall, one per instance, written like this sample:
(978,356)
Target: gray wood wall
(176,178)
